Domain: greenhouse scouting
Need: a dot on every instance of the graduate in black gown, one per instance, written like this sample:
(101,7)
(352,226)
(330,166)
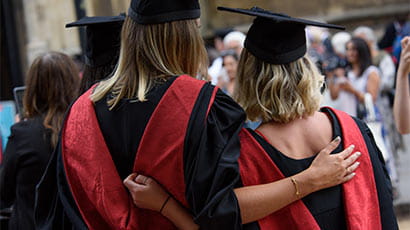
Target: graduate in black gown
(160,43)
(102,47)
(153,117)
(281,86)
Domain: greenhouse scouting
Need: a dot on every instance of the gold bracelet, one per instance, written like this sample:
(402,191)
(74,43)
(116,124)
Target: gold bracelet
(295,183)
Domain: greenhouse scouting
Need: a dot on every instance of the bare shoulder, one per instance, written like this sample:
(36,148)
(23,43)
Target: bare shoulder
(300,138)
(323,125)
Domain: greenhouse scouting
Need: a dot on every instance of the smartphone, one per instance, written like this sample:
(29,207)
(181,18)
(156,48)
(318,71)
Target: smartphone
(18,98)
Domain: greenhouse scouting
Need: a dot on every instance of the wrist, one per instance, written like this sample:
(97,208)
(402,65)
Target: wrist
(307,183)
(357,94)
(177,214)
(166,210)
(164,204)
(402,74)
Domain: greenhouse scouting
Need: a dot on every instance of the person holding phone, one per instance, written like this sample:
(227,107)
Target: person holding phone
(51,86)
(18,93)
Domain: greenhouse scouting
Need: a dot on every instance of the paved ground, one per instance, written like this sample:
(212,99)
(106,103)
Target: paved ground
(404,224)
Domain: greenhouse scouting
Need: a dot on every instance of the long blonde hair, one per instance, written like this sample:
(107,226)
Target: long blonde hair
(280,93)
(152,52)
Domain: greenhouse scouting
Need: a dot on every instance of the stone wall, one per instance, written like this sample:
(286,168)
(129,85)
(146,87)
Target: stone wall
(41,24)
(347,12)
(42,27)
(106,7)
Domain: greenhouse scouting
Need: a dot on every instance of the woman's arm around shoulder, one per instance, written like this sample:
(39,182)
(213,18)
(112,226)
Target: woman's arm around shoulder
(255,201)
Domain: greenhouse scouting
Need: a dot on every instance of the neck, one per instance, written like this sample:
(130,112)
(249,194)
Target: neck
(356,67)
(374,52)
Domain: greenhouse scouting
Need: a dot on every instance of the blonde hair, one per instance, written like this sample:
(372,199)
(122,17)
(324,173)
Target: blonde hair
(150,53)
(280,93)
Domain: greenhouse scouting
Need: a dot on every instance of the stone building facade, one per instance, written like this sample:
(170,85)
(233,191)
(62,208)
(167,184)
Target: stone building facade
(36,26)
(328,10)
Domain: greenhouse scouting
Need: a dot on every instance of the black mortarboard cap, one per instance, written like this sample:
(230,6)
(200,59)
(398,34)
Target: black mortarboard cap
(276,38)
(103,38)
(160,11)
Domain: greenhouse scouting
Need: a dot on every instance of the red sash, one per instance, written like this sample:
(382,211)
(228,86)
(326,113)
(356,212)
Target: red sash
(102,199)
(360,195)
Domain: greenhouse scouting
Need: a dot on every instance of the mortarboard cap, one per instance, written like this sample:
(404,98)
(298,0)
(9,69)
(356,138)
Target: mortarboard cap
(103,38)
(276,38)
(160,11)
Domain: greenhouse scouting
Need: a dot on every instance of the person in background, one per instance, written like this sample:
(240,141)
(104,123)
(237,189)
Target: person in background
(102,47)
(315,40)
(335,66)
(219,38)
(52,85)
(214,54)
(232,41)
(227,79)
(380,59)
(387,68)
(235,41)
(339,41)
(362,78)
(394,33)
(230,65)
(401,106)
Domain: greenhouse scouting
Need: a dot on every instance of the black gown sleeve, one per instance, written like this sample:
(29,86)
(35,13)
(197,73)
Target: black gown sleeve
(211,161)
(71,215)
(382,179)
(55,207)
(47,205)
(8,172)
(25,158)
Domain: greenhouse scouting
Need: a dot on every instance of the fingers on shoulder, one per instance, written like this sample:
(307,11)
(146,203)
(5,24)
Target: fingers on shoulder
(346,152)
(331,146)
(352,159)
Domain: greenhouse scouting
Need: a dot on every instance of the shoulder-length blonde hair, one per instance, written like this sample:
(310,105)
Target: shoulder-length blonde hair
(152,52)
(52,84)
(280,93)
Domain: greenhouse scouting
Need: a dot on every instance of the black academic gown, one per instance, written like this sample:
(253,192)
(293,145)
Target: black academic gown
(25,159)
(210,158)
(326,205)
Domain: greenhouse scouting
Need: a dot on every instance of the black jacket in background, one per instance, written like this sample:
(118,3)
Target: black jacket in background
(25,158)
